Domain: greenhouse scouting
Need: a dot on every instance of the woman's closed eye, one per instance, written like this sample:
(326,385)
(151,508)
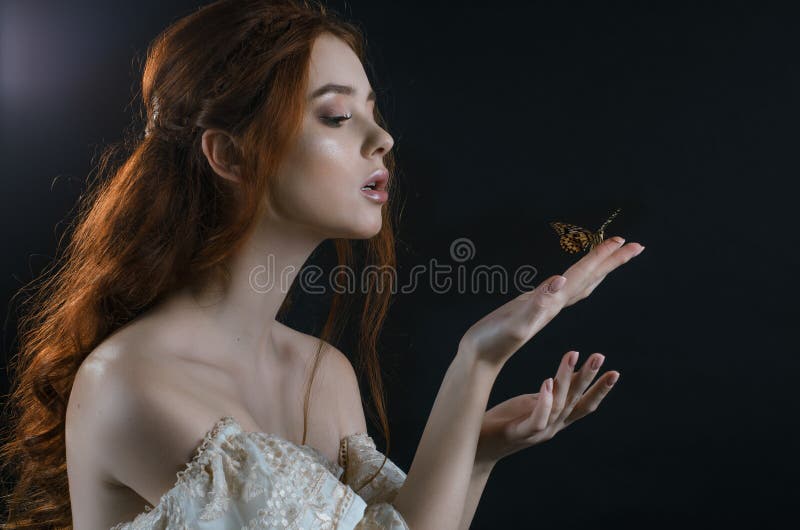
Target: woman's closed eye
(336,121)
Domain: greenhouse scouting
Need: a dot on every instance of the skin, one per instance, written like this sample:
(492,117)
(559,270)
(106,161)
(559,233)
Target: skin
(318,197)
(168,376)
(529,419)
(440,487)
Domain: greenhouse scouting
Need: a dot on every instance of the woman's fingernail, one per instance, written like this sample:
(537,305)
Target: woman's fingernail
(556,284)
(573,358)
(613,379)
(597,361)
(549,384)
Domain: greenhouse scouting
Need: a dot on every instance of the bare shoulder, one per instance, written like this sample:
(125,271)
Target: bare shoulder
(128,432)
(98,411)
(349,402)
(340,377)
(139,409)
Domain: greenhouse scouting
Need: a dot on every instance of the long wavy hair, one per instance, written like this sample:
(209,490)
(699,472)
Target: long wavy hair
(156,219)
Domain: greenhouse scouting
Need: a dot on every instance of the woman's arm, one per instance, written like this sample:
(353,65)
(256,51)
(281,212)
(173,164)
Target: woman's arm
(434,494)
(477,483)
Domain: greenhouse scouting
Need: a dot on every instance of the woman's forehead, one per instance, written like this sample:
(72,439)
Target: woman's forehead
(333,61)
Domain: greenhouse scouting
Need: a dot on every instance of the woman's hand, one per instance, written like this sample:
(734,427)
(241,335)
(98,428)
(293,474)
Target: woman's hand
(529,419)
(497,336)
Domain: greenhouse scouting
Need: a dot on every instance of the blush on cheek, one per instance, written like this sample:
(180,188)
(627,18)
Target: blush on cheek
(324,165)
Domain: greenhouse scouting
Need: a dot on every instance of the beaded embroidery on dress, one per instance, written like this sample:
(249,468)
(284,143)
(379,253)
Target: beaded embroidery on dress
(239,480)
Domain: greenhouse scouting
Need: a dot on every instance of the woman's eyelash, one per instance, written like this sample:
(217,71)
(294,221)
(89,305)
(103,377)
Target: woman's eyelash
(337,120)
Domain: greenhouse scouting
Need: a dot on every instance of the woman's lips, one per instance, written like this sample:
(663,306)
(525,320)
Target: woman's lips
(379,177)
(378,196)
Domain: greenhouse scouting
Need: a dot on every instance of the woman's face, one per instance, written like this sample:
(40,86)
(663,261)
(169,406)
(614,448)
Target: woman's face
(338,148)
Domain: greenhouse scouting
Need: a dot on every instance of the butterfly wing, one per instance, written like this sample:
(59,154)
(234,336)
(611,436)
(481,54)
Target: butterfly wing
(595,239)
(572,238)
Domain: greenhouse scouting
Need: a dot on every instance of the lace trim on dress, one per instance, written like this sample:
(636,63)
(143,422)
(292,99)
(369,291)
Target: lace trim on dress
(255,480)
(228,425)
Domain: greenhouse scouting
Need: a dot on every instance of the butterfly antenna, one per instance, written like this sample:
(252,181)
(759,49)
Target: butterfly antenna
(605,224)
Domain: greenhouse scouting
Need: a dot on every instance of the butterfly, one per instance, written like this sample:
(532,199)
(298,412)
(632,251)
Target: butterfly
(574,238)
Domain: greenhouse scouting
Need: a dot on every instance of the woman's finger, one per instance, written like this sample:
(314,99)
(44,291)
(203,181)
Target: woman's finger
(592,398)
(619,257)
(592,260)
(537,421)
(561,384)
(580,381)
(600,261)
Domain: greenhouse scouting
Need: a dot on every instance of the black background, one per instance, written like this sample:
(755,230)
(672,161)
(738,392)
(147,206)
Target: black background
(504,118)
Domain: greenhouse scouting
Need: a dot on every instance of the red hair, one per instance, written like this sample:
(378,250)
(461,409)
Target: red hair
(158,218)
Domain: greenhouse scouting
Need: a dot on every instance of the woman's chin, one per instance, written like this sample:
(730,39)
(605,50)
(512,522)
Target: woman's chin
(367,230)
(361,231)
(369,234)
(367,224)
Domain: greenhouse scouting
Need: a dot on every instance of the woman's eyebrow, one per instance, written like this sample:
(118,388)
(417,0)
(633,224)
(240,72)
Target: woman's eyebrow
(339,89)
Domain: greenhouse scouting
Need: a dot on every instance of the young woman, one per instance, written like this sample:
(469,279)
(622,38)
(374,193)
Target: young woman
(155,350)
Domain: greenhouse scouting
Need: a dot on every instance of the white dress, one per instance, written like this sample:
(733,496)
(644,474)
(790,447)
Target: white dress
(239,480)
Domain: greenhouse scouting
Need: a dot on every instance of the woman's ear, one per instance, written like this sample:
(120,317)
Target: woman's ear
(217,146)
